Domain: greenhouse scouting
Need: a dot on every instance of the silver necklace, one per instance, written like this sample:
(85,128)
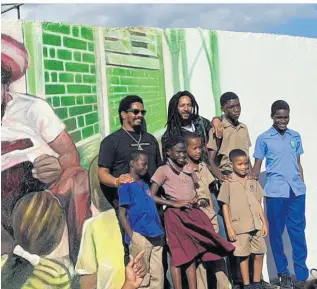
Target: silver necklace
(138,142)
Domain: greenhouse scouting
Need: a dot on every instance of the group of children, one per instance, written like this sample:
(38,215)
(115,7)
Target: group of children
(190,219)
(192,226)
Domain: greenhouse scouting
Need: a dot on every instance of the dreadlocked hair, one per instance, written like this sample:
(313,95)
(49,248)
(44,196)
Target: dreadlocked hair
(173,117)
(172,141)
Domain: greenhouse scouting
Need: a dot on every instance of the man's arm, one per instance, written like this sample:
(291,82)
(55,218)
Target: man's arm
(300,168)
(109,180)
(106,159)
(124,221)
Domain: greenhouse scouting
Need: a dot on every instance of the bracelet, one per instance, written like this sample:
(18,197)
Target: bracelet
(116,183)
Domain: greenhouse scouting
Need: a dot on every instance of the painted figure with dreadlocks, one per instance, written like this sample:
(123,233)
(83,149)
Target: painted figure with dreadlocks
(183,115)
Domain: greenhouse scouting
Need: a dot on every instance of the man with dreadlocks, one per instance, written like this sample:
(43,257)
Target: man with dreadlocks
(183,115)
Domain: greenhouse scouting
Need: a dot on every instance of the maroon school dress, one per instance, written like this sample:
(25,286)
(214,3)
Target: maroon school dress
(190,233)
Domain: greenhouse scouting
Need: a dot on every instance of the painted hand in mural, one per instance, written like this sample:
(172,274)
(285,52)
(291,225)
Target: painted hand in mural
(134,272)
(47,169)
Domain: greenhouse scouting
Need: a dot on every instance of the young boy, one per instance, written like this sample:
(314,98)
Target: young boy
(285,192)
(244,217)
(235,136)
(140,219)
(204,202)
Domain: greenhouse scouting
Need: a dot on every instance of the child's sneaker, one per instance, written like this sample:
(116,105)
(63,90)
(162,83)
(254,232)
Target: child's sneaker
(286,282)
(300,284)
(263,285)
(266,285)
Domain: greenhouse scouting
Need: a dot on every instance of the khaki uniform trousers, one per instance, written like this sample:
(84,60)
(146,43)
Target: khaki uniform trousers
(152,258)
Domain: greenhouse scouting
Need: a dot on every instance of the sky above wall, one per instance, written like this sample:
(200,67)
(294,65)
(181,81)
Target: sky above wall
(289,19)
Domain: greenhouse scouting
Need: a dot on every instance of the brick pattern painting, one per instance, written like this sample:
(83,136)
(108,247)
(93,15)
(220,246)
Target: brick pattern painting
(134,66)
(70,77)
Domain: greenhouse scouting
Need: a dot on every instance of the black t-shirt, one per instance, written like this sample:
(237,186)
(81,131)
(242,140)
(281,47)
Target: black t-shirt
(115,151)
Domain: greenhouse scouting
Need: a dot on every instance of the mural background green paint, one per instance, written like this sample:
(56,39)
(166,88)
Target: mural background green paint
(70,77)
(146,80)
(63,70)
(31,75)
(213,66)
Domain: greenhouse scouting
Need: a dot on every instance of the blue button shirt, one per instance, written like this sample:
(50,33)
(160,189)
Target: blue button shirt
(282,171)
(142,213)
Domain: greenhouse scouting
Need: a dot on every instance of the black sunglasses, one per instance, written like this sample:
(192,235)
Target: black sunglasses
(137,111)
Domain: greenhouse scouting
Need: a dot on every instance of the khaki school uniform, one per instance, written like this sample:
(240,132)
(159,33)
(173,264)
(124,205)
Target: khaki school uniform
(242,196)
(152,258)
(204,179)
(234,137)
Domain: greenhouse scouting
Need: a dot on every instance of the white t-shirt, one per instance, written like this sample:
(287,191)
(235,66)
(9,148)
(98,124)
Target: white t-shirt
(189,127)
(27,116)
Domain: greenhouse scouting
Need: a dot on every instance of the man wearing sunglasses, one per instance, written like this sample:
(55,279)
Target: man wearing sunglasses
(116,148)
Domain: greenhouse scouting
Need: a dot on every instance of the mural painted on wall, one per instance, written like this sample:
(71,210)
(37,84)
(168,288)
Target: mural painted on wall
(62,88)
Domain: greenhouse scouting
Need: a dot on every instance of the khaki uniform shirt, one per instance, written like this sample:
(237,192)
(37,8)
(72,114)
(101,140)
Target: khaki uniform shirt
(242,196)
(204,179)
(234,137)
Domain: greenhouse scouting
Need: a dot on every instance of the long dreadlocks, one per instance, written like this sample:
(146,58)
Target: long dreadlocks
(173,118)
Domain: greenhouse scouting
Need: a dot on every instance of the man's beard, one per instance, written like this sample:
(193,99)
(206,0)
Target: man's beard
(3,108)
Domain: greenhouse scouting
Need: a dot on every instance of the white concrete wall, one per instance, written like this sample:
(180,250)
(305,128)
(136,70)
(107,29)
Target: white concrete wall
(262,68)
(200,80)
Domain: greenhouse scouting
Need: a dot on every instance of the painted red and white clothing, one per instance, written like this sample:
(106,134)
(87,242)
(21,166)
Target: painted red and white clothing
(29,117)
(32,120)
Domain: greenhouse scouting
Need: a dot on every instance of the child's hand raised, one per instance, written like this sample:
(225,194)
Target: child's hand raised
(182,204)
(232,235)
